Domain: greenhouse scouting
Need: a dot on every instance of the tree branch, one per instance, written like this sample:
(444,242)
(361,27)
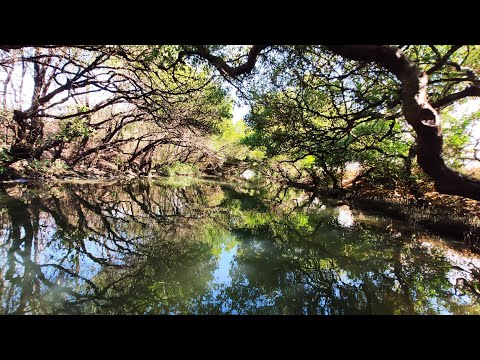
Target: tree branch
(222,65)
(443,59)
(449,99)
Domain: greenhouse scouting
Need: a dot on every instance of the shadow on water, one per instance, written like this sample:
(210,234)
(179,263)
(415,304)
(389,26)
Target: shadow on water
(203,247)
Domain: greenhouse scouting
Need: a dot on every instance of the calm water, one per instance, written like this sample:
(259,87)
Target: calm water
(205,247)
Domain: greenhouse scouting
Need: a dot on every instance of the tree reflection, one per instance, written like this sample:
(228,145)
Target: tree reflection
(87,247)
(154,248)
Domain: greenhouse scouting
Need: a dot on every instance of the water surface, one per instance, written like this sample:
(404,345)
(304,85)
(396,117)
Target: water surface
(207,247)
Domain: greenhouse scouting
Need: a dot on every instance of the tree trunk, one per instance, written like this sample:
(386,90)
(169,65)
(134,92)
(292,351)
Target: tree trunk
(418,113)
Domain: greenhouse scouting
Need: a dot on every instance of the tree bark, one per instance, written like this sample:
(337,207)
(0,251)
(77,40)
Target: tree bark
(419,113)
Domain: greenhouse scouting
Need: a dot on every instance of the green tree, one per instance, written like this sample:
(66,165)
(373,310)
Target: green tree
(358,80)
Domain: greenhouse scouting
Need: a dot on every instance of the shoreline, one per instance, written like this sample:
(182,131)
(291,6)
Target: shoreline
(445,215)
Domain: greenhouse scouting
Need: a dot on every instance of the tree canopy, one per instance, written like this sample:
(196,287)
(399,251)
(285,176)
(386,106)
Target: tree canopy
(314,109)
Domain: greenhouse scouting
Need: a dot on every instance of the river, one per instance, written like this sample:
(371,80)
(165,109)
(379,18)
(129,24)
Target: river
(186,246)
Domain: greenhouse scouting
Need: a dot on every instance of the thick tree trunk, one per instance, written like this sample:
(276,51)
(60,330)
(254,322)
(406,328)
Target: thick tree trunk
(411,182)
(419,114)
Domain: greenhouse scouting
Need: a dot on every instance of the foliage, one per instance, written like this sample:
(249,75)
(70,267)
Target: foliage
(312,120)
(47,167)
(4,158)
(178,168)
(313,111)
(73,128)
(457,137)
(232,144)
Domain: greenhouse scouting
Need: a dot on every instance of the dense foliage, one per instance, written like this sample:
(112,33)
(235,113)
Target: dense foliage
(326,116)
